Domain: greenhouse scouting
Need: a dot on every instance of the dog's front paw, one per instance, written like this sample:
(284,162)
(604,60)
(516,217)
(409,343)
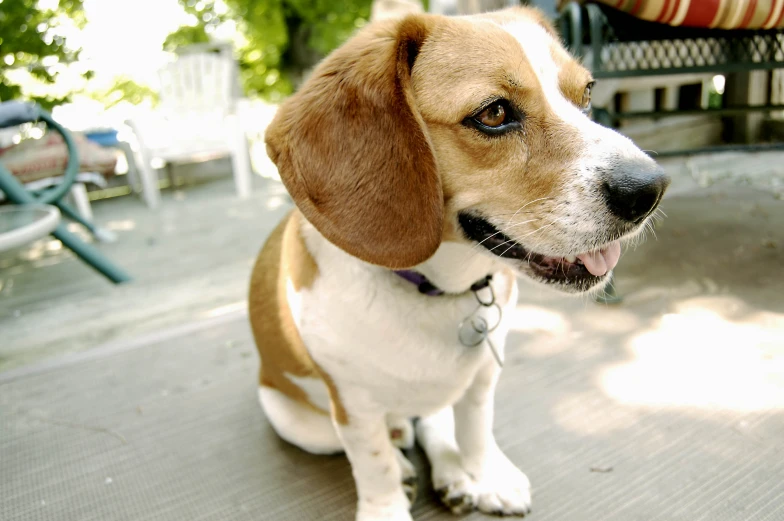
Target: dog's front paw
(369,510)
(504,492)
(501,489)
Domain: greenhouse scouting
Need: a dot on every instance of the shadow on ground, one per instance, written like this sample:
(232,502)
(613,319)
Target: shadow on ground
(669,406)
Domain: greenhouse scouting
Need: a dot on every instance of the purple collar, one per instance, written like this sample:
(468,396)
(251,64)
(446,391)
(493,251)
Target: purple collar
(428,288)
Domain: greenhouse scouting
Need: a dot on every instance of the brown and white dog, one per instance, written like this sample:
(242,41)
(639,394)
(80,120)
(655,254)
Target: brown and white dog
(454,148)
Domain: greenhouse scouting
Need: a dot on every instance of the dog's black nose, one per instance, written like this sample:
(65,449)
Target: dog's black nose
(634,192)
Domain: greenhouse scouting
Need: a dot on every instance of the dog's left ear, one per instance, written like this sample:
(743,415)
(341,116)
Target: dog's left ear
(353,152)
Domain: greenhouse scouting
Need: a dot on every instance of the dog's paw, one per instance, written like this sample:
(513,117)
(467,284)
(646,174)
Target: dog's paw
(401,432)
(506,493)
(408,477)
(500,490)
(369,510)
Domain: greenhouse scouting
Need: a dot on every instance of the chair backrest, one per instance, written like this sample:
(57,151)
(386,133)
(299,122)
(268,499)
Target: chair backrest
(201,79)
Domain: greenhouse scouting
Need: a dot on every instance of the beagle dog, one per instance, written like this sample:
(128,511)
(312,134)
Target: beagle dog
(432,160)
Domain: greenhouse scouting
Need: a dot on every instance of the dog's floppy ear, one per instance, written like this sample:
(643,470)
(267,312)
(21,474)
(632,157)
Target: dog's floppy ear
(353,152)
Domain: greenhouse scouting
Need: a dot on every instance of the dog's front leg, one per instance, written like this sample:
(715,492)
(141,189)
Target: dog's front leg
(469,470)
(501,487)
(377,468)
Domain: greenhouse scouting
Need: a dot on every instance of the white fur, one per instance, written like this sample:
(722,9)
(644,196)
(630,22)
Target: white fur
(298,424)
(394,354)
(582,226)
(315,388)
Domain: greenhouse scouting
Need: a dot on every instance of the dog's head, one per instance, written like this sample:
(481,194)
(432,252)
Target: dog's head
(432,129)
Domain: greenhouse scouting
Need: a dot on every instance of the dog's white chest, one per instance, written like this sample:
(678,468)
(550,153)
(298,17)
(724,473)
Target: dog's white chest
(396,347)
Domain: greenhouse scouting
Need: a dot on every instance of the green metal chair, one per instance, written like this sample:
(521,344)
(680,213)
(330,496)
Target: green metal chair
(14,113)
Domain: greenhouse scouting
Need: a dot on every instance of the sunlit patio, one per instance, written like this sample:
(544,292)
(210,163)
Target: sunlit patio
(139,401)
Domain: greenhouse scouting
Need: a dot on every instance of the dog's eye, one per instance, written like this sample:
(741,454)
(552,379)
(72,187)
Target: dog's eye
(496,118)
(586,103)
(493,116)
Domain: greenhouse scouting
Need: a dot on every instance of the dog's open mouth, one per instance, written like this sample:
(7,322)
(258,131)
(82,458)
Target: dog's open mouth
(582,270)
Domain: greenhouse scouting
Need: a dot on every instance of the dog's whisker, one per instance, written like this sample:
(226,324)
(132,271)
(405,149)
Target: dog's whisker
(526,235)
(503,244)
(525,206)
(529,234)
(499,231)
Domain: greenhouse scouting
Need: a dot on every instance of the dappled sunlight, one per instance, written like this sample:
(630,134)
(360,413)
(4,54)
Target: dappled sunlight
(228,309)
(123,225)
(40,249)
(535,319)
(550,331)
(701,356)
(607,319)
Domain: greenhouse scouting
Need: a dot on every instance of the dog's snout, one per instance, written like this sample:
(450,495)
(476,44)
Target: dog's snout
(634,192)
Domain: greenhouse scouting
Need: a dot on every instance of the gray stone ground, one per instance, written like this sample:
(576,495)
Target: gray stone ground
(137,402)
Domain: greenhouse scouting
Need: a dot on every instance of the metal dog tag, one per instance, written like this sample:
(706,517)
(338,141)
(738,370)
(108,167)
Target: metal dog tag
(495,353)
(473,331)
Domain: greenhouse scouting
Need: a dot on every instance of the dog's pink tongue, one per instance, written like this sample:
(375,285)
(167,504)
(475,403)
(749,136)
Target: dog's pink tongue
(600,262)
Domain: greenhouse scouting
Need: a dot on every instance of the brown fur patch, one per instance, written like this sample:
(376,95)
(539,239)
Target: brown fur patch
(572,77)
(352,151)
(284,258)
(464,63)
(338,410)
(358,146)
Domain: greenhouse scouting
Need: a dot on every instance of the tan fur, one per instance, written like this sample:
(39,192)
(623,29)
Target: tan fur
(284,258)
(375,155)
(475,169)
(361,160)
(572,77)
(357,160)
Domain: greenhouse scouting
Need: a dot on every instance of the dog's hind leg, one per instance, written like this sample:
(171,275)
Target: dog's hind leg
(298,424)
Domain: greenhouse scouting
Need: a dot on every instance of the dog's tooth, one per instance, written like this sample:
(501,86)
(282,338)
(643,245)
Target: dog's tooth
(570,258)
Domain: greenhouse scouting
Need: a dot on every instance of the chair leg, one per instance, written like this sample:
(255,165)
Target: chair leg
(101,234)
(91,255)
(151,192)
(240,160)
(81,201)
(133,170)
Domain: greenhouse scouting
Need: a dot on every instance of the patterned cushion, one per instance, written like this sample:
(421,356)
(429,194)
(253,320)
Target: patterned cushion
(720,14)
(35,159)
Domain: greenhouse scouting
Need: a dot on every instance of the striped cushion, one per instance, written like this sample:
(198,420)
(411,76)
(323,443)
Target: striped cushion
(35,159)
(720,14)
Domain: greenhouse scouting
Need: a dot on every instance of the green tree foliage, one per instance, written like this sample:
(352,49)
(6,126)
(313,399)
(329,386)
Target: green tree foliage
(29,39)
(281,39)
(124,89)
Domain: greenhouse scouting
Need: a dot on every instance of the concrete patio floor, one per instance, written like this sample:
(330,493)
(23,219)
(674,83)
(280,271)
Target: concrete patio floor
(138,402)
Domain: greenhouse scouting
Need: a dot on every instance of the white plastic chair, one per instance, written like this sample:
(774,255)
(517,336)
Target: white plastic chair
(197,118)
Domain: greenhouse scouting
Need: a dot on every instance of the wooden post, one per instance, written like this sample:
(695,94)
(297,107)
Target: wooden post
(746,88)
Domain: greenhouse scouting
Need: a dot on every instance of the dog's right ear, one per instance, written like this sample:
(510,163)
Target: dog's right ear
(353,151)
